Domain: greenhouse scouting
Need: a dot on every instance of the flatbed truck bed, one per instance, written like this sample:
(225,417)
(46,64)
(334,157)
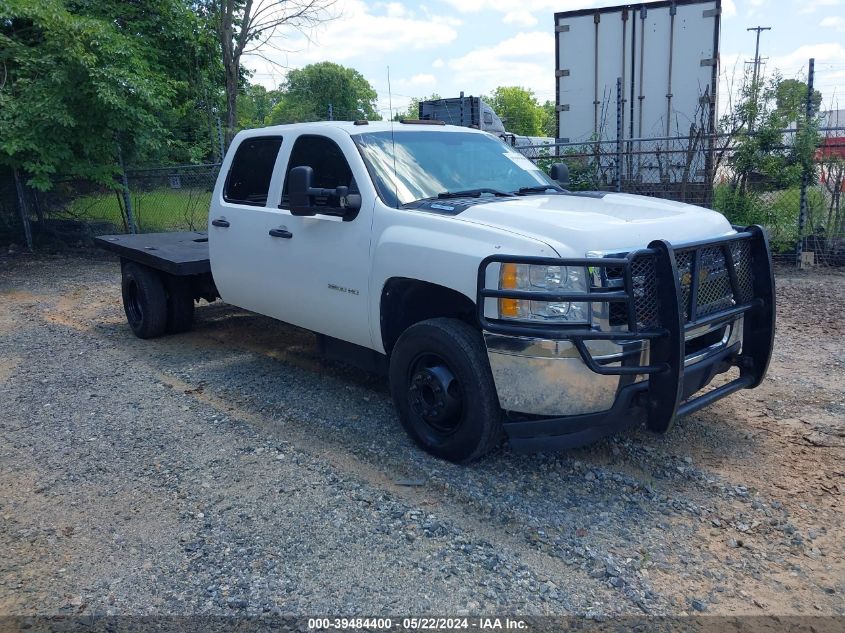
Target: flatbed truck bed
(163,276)
(180,254)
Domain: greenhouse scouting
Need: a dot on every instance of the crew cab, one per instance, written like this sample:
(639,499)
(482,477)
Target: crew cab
(496,301)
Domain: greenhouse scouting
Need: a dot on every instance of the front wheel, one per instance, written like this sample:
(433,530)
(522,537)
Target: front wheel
(441,383)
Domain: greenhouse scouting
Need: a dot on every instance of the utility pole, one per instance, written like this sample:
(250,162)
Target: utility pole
(756,73)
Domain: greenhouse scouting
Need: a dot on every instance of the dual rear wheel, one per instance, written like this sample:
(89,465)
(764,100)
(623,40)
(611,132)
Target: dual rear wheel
(154,303)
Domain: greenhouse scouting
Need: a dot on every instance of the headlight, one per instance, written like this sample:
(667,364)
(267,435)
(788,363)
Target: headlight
(544,279)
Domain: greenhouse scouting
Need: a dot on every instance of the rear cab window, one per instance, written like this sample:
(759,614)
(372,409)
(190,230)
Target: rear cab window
(248,180)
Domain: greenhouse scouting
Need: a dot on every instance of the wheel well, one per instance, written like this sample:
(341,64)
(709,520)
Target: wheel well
(407,301)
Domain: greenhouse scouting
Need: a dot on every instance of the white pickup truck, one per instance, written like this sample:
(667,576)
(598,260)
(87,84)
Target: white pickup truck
(497,302)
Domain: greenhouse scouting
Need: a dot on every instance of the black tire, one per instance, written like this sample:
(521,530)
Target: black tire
(443,389)
(144,300)
(180,304)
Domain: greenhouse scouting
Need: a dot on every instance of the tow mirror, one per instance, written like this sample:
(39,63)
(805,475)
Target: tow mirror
(560,173)
(299,191)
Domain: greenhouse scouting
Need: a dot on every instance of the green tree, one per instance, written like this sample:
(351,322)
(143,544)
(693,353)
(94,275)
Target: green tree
(519,110)
(754,134)
(179,45)
(310,91)
(549,119)
(243,26)
(255,105)
(76,86)
(791,100)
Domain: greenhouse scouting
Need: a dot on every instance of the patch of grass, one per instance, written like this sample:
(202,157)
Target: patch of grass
(162,209)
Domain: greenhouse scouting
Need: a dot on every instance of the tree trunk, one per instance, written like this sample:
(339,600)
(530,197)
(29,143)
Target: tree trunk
(231,100)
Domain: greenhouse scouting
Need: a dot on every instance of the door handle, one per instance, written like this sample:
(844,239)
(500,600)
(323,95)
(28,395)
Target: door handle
(221,223)
(281,233)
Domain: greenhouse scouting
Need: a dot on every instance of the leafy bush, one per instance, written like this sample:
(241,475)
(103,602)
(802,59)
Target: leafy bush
(584,171)
(777,211)
(739,207)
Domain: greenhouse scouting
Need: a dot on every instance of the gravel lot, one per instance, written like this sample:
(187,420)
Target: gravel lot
(229,471)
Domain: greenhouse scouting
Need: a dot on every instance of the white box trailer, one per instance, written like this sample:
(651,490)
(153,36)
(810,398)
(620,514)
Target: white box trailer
(666,54)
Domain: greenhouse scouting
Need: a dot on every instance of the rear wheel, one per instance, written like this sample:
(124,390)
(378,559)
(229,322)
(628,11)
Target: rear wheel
(441,383)
(144,300)
(180,304)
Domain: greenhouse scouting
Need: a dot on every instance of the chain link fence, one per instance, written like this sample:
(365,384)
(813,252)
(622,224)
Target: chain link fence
(705,170)
(697,170)
(171,198)
(11,230)
(73,211)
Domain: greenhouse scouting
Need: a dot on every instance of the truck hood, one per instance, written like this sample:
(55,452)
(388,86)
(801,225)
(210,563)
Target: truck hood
(613,222)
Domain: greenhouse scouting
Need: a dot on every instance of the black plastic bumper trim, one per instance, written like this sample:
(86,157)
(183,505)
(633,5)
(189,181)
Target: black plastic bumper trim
(576,428)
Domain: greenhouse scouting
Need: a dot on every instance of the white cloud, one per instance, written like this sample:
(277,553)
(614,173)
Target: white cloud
(829,56)
(359,31)
(422,79)
(834,22)
(812,6)
(438,63)
(396,10)
(519,18)
(525,59)
(829,52)
(531,6)
(755,7)
(728,8)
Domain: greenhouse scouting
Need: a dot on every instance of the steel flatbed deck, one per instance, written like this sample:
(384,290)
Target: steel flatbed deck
(180,254)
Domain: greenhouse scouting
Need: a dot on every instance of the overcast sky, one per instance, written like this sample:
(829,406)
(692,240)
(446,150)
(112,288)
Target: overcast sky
(446,46)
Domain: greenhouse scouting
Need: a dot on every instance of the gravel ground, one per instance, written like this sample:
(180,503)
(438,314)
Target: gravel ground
(231,471)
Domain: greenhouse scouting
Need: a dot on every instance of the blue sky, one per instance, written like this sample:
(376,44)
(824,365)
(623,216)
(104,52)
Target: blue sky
(446,46)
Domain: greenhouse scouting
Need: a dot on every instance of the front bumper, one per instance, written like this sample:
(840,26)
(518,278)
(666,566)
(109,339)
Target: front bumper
(683,314)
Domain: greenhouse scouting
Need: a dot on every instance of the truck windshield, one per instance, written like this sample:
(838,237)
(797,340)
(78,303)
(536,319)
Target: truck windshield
(415,165)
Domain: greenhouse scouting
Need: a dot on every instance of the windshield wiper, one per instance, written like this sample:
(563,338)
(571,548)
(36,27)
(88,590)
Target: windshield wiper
(473,193)
(540,189)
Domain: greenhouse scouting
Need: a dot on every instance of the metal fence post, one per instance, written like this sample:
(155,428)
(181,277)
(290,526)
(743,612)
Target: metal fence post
(127,197)
(24,211)
(619,133)
(805,176)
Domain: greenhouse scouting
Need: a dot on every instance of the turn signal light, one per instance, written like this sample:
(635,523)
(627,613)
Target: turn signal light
(509,279)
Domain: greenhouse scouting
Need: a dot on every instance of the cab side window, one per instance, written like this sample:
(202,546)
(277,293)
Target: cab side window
(329,164)
(252,168)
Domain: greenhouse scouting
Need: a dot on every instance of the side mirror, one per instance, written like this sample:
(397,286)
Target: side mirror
(299,191)
(560,173)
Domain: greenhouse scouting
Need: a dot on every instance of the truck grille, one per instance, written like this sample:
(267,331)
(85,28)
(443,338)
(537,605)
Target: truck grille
(716,291)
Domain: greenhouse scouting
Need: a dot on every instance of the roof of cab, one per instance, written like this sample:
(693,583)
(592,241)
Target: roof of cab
(352,128)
